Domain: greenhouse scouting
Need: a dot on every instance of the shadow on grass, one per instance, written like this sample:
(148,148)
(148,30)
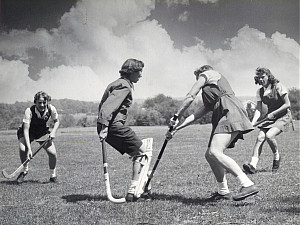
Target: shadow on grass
(180,198)
(261,170)
(78,198)
(292,208)
(14,182)
(162,197)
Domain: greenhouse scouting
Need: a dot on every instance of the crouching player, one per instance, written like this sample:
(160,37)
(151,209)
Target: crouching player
(111,127)
(35,127)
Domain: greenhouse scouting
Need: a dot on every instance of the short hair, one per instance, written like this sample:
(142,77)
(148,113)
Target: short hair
(41,94)
(262,70)
(130,66)
(202,69)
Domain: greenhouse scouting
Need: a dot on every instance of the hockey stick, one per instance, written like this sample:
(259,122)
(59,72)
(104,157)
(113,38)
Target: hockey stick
(9,176)
(261,121)
(106,177)
(158,158)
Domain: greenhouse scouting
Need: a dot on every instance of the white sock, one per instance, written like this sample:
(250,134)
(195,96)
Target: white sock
(53,172)
(244,180)
(254,161)
(26,168)
(132,187)
(223,187)
(276,156)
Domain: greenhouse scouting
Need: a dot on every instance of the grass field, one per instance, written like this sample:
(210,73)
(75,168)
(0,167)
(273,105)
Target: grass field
(180,186)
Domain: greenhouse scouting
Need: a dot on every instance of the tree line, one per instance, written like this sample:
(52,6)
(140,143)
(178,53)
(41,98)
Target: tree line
(152,111)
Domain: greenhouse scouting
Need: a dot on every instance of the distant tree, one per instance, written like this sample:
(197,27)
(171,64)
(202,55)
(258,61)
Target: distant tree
(193,108)
(67,121)
(164,105)
(82,122)
(149,117)
(294,96)
(15,123)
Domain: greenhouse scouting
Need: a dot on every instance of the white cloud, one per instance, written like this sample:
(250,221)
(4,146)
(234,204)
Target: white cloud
(14,78)
(187,2)
(85,53)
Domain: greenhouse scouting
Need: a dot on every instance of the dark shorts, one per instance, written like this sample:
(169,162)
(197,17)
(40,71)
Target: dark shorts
(34,134)
(122,138)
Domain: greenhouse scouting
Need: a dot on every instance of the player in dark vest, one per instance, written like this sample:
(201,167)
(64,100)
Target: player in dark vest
(34,127)
(275,96)
(229,123)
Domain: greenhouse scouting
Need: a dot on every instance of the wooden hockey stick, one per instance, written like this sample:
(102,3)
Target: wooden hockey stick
(9,176)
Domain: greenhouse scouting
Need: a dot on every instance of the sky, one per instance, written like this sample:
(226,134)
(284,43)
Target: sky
(74,49)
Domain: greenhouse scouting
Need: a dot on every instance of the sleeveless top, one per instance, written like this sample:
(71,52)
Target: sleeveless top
(39,121)
(271,96)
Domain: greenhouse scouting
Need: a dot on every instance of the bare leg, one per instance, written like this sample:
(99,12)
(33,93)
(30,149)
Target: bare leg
(218,160)
(51,151)
(257,149)
(23,152)
(270,136)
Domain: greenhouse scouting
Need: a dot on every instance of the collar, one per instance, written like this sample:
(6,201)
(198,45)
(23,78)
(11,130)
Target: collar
(38,112)
(129,82)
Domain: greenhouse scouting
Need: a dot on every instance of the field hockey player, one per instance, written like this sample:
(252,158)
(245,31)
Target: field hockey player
(229,123)
(34,128)
(111,127)
(278,119)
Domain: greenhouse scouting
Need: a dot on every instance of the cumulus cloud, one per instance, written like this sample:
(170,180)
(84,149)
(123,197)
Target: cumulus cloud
(187,2)
(78,59)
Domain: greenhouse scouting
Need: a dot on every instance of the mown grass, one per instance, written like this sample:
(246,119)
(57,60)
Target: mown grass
(181,184)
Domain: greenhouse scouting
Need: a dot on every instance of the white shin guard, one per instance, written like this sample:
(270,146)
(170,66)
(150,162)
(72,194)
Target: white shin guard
(145,160)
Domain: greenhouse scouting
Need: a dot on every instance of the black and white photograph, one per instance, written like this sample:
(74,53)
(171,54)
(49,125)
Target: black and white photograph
(149,112)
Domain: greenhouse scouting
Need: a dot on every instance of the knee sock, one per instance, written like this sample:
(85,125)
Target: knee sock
(26,168)
(244,180)
(223,187)
(276,155)
(132,187)
(53,172)
(254,161)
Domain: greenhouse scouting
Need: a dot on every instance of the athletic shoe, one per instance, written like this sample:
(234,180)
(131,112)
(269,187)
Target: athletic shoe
(21,176)
(216,197)
(249,168)
(145,197)
(276,164)
(130,197)
(53,180)
(246,192)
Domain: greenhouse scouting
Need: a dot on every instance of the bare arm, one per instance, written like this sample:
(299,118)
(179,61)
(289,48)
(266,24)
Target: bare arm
(27,139)
(257,112)
(55,127)
(190,97)
(189,120)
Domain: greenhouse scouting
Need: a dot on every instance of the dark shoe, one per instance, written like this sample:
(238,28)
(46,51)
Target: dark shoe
(145,197)
(53,180)
(216,197)
(246,192)
(249,168)
(276,164)
(130,198)
(21,176)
